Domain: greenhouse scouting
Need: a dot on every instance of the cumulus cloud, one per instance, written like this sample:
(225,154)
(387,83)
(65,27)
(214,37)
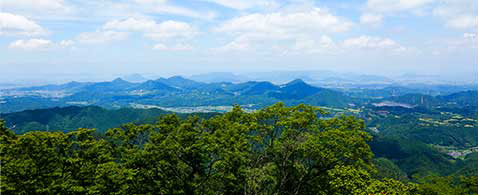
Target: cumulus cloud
(40,10)
(255,30)
(11,24)
(36,5)
(40,44)
(172,29)
(115,30)
(462,22)
(156,31)
(101,37)
(316,19)
(470,41)
(374,11)
(66,43)
(178,47)
(373,43)
(390,6)
(131,24)
(163,6)
(245,4)
(457,14)
(234,46)
(31,44)
(470,35)
(371,19)
(323,45)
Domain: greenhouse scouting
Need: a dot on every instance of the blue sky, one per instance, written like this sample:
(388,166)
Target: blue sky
(166,37)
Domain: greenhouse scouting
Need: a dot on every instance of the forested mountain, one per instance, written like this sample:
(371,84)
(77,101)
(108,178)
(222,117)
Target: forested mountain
(402,136)
(296,89)
(258,88)
(181,82)
(154,85)
(73,117)
(276,150)
(415,136)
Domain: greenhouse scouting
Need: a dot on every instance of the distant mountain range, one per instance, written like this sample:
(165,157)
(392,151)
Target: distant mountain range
(178,91)
(170,92)
(329,78)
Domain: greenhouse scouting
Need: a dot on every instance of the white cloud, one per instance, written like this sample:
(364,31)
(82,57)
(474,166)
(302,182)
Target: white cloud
(270,30)
(131,24)
(178,47)
(44,5)
(11,24)
(389,6)
(66,43)
(457,14)
(324,45)
(156,31)
(245,4)
(31,44)
(101,36)
(470,41)
(163,6)
(371,19)
(40,9)
(470,35)
(184,12)
(373,43)
(312,20)
(234,46)
(115,30)
(172,29)
(40,44)
(374,11)
(463,22)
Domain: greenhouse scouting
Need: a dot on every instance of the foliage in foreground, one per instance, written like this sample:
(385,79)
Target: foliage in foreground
(277,150)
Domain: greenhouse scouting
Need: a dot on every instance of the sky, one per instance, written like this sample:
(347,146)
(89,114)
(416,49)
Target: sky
(168,37)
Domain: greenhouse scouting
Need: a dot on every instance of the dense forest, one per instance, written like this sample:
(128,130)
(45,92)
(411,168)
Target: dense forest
(73,117)
(275,150)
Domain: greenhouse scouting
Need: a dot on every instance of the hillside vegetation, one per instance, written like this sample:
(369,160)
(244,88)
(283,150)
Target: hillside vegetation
(73,117)
(276,150)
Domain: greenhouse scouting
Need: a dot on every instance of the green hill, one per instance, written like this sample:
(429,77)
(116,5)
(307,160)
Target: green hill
(74,117)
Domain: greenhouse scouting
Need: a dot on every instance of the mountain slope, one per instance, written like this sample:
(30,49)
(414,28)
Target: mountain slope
(115,85)
(74,117)
(155,85)
(296,89)
(260,88)
(180,82)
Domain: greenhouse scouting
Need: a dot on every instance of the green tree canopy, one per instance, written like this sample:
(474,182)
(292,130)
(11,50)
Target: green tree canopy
(277,150)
